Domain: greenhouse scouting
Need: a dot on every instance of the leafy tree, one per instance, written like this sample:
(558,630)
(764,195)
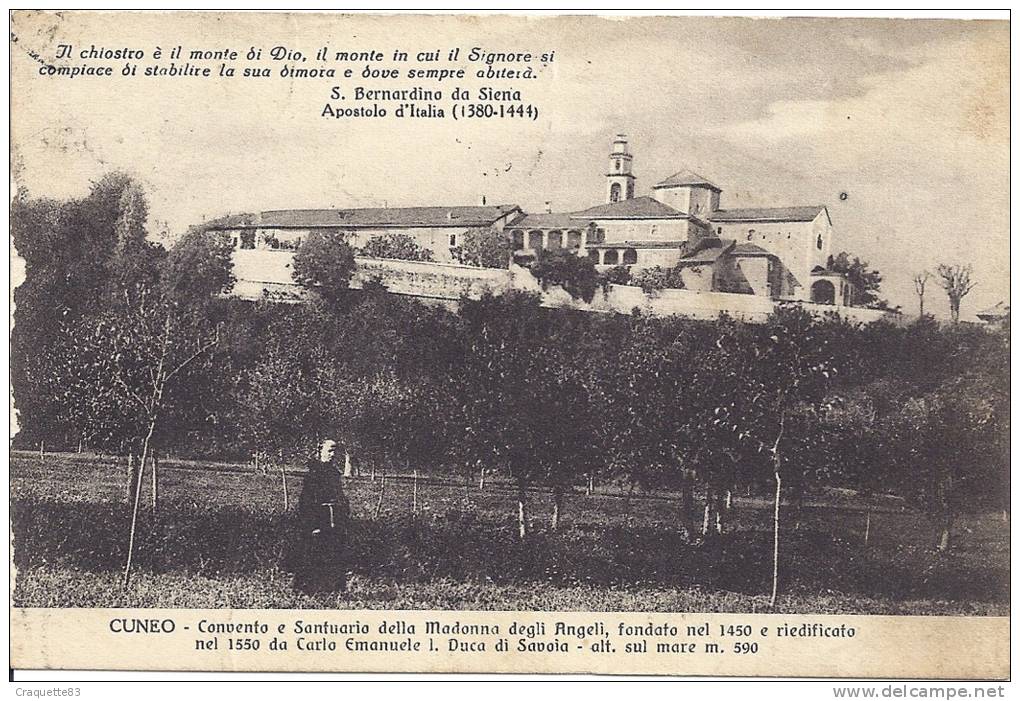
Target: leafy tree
(67,248)
(956,281)
(563,267)
(643,395)
(949,438)
(864,281)
(134,263)
(658,278)
(325,264)
(795,358)
(512,401)
(111,364)
(396,246)
(199,266)
(617,275)
(280,407)
(483,248)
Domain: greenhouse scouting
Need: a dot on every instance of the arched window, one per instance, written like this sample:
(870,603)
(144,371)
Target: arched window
(614,192)
(629,256)
(823,292)
(611,258)
(593,255)
(617,166)
(555,239)
(535,239)
(518,239)
(750,233)
(819,242)
(573,239)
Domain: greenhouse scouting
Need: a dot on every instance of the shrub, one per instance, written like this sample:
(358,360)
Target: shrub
(562,267)
(396,246)
(485,248)
(658,278)
(618,275)
(325,263)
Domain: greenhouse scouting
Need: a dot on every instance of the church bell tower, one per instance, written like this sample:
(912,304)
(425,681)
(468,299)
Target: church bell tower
(620,185)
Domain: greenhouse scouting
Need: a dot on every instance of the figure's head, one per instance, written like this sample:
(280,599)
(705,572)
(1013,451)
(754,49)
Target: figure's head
(327,450)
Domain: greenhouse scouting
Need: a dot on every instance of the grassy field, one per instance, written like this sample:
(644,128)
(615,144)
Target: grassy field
(222,534)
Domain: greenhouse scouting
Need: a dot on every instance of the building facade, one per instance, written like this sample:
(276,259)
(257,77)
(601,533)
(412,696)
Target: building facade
(776,252)
(438,229)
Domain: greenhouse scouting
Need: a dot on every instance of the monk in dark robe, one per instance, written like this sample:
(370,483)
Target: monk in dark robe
(323,517)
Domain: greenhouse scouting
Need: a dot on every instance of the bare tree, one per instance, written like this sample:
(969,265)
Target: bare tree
(920,280)
(955,280)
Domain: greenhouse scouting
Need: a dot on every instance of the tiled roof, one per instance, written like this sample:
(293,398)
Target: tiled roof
(750,249)
(230,221)
(634,208)
(383,217)
(999,311)
(707,251)
(686,177)
(776,214)
(554,220)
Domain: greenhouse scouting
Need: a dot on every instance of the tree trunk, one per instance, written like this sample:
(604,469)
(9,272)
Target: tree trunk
(132,478)
(522,512)
(706,520)
(286,495)
(867,527)
(720,511)
(557,507)
(687,505)
(373,471)
(944,535)
(414,494)
(138,492)
(729,499)
(776,464)
(382,493)
(257,471)
(42,451)
(155,483)
(348,465)
(775,539)
(481,479)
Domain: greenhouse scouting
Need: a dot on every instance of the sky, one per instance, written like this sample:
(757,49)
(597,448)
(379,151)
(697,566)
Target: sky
(900,127)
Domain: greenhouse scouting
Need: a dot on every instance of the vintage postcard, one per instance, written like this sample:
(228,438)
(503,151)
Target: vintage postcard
(659,345)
